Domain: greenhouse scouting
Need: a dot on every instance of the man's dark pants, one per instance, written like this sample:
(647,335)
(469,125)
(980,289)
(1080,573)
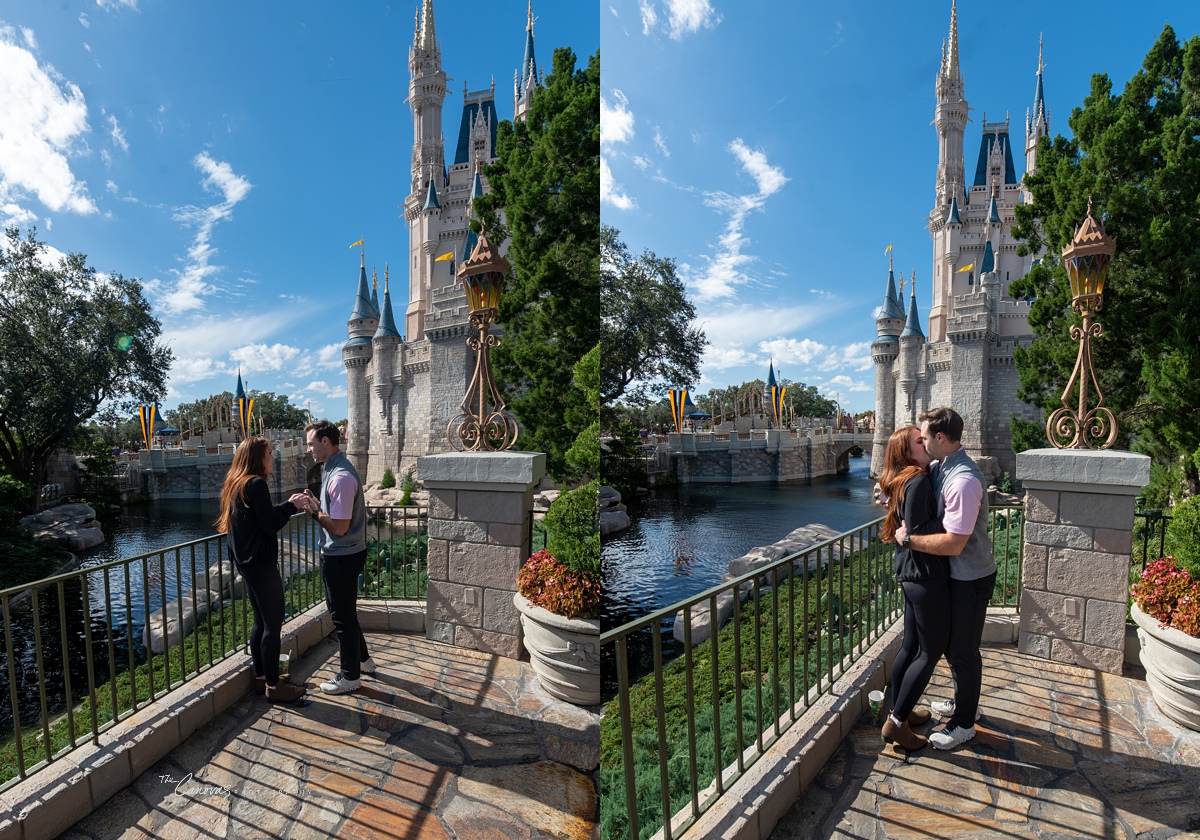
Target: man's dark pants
(340,573)
(968,612)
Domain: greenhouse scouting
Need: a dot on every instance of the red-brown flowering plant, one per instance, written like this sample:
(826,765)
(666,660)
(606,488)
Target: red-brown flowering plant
(1171,595)
(551,585)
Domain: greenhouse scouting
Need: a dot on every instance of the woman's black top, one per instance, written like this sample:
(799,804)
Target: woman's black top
(920,517)
(253,524)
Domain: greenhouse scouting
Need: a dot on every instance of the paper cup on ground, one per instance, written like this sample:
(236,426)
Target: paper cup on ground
(875,703)
(284,661)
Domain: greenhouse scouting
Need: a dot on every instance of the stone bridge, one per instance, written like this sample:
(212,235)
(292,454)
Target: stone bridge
(767,455)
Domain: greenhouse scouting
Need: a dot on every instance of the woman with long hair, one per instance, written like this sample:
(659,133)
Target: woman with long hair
(251,523)
(924,578)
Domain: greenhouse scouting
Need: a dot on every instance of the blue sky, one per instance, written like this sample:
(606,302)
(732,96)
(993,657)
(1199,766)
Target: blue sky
(227,154)
(774,150)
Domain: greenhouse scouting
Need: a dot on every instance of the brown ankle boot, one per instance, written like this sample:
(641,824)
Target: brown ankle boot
(284,693)
(260,683)
(919,717)
(902,736)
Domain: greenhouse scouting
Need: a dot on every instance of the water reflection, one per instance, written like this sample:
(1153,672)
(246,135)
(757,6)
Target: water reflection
(681,542)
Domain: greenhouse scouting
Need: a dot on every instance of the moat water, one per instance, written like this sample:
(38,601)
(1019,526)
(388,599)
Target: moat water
(681,542)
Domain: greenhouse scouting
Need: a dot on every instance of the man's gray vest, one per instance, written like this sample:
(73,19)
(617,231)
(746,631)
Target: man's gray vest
(976,560)
(354,540)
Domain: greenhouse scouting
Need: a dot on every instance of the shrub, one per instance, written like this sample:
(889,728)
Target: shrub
(573,535)
(407,486)
(1169,594)
(1183,534)
(1006,483)
(551,585)
(389,479)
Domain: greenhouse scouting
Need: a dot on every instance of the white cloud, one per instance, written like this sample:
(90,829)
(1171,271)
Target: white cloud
(613,9)
(836,40)
(194,280)
(117,134)
(844,383)
(789,351)
(13,215)
(723,358)
(687,16)
(253,358)
(660,142)
(108,5)
(43,121)
(642,162)
(856,355)
(83,20)
(649,16)
(611,192)
(770,179)
(616,120)
(29,38)
(725,271)
(329,357)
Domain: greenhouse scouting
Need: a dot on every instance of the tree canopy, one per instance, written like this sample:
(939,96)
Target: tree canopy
(70,342)
(547,184)
(1136,155)
(646,322)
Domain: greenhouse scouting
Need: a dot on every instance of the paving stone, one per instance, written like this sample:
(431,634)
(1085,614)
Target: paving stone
(417,782)
(471,820)
(553,799)
(382,818)
(1072,808)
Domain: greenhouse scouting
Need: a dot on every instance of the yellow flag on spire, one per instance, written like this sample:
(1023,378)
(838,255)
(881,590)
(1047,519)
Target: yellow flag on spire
(888,248)
(966,267)
(356,244)
(449,255)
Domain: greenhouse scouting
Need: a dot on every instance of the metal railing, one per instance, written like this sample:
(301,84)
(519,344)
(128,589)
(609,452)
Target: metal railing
(678,730)
(1149,526)
(85,649)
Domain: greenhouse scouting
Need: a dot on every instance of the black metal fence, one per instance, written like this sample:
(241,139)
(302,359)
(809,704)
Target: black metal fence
(85,649)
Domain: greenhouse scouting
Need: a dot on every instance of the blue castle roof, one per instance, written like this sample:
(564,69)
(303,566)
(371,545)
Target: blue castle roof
(431,198)
(985,148)
(462,153)
(989,259)
(362,300)
(387,323)
(913,325)
(891,300)
(953,219)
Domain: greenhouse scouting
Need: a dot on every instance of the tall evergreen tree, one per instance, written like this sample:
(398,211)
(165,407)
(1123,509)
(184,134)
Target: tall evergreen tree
(69,343)
(1136,155)
(547,183)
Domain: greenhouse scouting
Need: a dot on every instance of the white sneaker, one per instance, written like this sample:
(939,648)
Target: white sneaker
(367,666)
(945,708)
(341,685)
(946,738)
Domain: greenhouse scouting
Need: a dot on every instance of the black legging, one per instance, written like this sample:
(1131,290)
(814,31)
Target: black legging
(264,587)
(926,634)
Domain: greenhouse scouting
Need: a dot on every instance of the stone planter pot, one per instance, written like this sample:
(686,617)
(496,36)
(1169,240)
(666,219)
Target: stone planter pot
(565,652)
(1172,662)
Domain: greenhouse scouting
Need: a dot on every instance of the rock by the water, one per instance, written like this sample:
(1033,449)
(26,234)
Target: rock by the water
(73,527)
(613,515)
(801,539)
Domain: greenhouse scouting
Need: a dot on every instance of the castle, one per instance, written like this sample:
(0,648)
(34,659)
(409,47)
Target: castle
(402,390)
(966,361)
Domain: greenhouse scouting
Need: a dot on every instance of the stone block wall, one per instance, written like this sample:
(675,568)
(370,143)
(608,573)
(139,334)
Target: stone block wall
(1079,510)
(479,525)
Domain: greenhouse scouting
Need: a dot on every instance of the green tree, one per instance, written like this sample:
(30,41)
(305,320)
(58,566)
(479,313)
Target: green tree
(70,342)
(583,458)
(646,322)
(1136,155)
(547,184)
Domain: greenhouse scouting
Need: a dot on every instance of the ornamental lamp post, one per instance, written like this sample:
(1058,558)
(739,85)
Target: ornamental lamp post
(483,422)
(1086,259)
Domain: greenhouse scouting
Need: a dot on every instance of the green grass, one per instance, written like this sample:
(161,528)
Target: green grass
(759,677)
(783,666)
(221,633)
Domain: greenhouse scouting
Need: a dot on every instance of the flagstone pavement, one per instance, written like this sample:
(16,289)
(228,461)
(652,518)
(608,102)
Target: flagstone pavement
(1061,752)
(440,743)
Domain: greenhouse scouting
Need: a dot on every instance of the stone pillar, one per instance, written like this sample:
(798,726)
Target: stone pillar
(479,519)
(1078,537)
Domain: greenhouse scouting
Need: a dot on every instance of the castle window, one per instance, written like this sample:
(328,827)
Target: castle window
(970,278)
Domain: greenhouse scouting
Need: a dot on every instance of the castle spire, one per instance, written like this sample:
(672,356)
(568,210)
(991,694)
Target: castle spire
(912,326)
(950,67)
(426,38)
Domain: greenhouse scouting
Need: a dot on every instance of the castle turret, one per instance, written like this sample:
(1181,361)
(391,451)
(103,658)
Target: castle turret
(525,80)
(888,324)
(426,93)
(356,356)
(386,370)
(909,362)
(950,116)
(1037,120)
